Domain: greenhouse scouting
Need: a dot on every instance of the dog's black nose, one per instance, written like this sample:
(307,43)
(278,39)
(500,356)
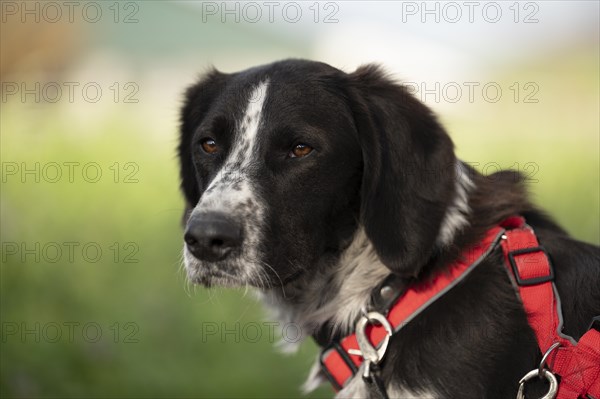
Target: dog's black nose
(212,236)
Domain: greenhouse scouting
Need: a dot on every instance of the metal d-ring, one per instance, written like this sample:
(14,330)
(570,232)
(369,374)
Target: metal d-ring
(545,357)
(552,390)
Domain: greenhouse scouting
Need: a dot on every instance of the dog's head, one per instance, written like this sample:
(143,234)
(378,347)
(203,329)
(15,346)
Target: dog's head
(281,165)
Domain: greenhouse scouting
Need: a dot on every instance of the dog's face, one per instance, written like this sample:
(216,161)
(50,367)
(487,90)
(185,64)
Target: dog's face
(280,165)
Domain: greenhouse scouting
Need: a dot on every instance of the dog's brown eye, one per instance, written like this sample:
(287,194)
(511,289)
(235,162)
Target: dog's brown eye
(209,146)
(300,150)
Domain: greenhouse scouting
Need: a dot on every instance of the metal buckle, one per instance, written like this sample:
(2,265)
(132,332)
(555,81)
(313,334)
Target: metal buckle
(370,354)
(532,280)
(551,394)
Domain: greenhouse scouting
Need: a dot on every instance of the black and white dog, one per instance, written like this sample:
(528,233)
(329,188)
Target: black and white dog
(315,185)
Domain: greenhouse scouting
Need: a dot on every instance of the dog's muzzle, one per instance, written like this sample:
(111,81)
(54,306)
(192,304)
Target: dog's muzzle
(212,236)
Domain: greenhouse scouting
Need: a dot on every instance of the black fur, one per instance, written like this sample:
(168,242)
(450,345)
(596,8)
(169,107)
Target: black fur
(384,162)
(406,156)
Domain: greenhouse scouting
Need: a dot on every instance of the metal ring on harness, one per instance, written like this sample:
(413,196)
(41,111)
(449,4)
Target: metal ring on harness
(545,357)
(551,394)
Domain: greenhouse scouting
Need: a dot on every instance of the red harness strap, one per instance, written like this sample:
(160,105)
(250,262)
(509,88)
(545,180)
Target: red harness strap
(577,364)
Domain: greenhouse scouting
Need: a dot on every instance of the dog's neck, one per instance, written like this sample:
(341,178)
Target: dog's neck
(327,303)
(334,295)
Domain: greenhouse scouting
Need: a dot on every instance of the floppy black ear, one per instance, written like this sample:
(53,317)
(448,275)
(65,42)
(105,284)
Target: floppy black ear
(408,172)
(197,102)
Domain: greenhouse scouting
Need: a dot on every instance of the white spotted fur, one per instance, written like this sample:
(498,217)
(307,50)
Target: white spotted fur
(221,196)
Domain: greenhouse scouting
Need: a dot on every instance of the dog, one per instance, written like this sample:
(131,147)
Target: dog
(316,186)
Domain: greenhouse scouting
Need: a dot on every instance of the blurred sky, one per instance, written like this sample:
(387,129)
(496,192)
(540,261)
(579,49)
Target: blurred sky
(417,41)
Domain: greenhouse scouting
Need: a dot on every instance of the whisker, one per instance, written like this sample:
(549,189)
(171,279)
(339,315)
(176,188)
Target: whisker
(183,274)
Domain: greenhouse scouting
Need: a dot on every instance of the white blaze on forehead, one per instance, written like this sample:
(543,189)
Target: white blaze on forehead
(231,185)
(248,128)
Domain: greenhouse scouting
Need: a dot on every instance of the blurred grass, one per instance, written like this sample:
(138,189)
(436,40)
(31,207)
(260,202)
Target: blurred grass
(172,357)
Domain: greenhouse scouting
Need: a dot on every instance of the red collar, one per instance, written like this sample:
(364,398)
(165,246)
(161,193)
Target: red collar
(578,364)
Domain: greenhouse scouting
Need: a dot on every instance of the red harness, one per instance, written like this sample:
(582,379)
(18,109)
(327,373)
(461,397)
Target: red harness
(578,364)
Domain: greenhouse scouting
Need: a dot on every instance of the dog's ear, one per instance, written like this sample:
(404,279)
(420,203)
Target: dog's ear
(198,100)
(408,170)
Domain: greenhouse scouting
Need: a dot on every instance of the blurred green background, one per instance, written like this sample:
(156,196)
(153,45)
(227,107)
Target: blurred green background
(123,322)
